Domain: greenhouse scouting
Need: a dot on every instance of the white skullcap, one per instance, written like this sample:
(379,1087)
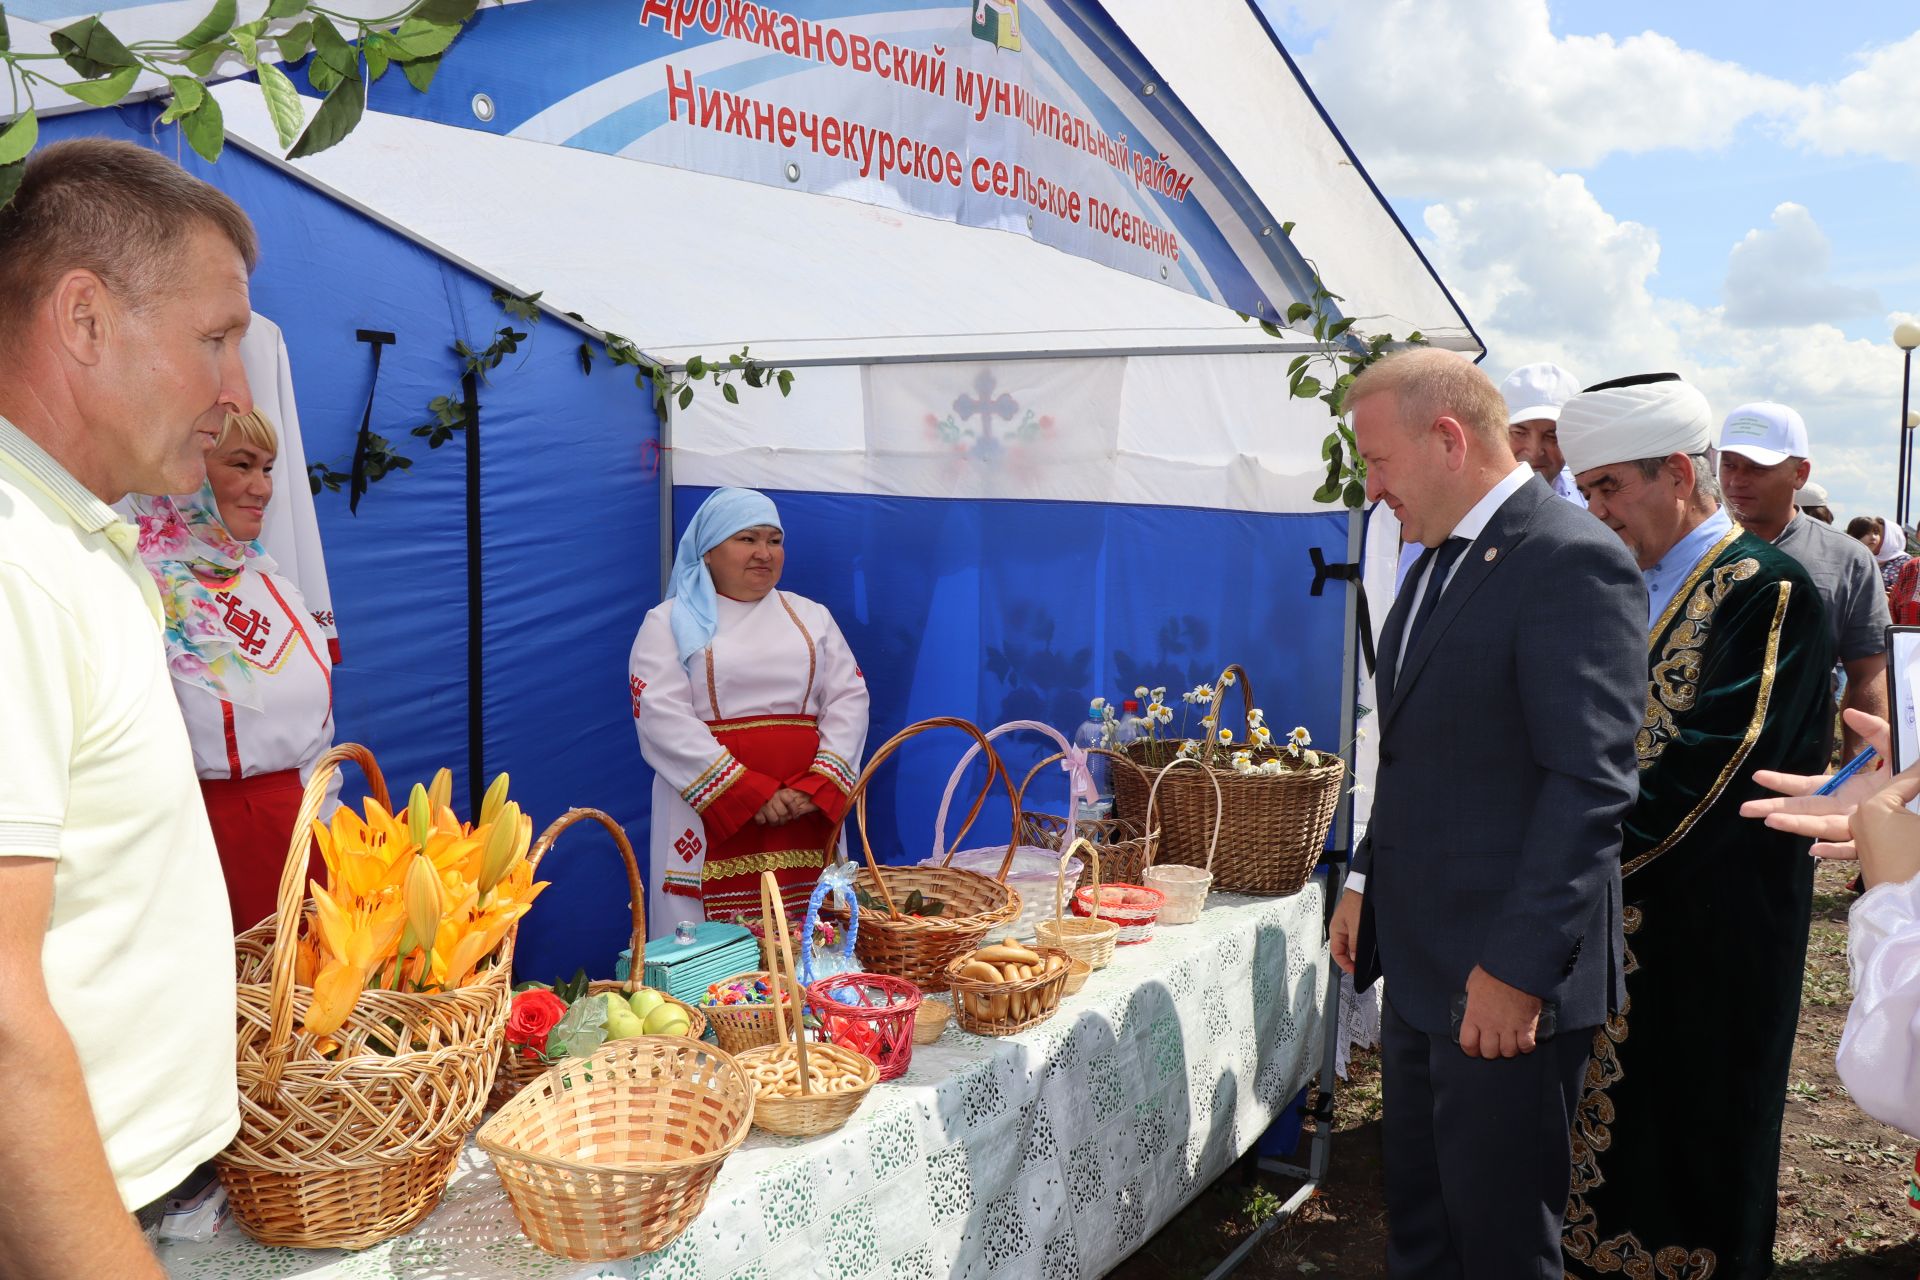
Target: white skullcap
(1612,424)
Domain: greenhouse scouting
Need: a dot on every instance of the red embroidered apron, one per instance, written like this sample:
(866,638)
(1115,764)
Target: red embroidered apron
(252,823)
(796,851)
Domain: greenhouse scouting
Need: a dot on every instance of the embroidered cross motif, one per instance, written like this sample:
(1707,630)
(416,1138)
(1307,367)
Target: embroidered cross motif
(688,845)
(249,626)
(638,687)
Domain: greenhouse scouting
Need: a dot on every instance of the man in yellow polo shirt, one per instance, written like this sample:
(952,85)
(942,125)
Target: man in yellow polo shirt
(123,298)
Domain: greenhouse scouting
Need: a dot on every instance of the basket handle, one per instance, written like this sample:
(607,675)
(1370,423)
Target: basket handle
(637,895)
(1072,816)
(858,809)
(292,894)
(773,915)
(834,878)
(1060,881)
(959,770)
(1219,695)
(1153,796)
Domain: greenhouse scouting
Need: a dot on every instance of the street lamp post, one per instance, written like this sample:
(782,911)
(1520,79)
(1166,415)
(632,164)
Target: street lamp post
(1906,336)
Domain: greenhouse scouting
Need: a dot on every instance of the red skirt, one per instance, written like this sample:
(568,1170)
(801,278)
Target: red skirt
(776,747)
(252,825)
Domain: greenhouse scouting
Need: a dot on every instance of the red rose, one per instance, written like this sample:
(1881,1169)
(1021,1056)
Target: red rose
(534,1013)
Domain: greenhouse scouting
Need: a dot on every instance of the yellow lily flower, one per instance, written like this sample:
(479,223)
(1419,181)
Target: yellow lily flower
(353,943)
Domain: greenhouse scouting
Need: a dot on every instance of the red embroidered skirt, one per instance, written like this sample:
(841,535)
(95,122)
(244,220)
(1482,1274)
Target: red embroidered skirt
(775,747)
(252,823)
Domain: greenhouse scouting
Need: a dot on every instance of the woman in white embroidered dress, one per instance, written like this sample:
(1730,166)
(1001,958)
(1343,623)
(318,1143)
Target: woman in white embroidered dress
(751,711)
(250,667)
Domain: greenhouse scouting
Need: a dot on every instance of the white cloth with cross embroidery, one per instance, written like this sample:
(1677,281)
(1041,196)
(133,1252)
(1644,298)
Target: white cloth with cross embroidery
(278,638)
(764,661)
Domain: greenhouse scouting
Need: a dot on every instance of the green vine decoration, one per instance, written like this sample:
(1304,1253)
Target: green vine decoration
(1326,375)
(348,54)
(448,414)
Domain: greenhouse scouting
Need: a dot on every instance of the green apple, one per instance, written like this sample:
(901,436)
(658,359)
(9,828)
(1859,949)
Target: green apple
(645,1001)
(621,1022)
(668,1020)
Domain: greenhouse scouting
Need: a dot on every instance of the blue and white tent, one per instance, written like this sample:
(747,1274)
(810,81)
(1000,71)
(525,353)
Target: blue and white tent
(1028,458)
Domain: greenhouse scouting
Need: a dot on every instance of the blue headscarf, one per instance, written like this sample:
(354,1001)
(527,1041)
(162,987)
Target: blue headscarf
(724,513)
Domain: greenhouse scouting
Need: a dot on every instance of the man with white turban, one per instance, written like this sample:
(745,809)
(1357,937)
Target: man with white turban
(1676,1140)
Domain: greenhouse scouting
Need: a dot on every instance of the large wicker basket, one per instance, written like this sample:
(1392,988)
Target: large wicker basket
(517,1070)
(346,1150)
(610,1155)
(1127,845)
(1274,826)
(918,949)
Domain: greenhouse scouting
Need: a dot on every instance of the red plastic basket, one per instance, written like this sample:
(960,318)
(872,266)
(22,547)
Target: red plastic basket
(1136,921)
(870,1013)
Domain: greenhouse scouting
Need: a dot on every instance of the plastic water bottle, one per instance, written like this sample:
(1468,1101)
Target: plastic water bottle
(1093,733)
(1131,726)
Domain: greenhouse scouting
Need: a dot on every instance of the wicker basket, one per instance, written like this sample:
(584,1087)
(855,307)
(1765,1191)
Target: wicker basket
(348,1150)
(877,1020)
(740,1027)
(812,1110)
(1127,845)
(517,1070)
(930,1021)
(1185,887)
(1089,941)
(918,949)
(1274,826)
(611,1155)
(1078,971)
(1006,1008)
(1136,920)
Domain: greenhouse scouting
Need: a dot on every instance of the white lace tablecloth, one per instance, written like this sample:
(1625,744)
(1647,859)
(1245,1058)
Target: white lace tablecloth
(1053,1153)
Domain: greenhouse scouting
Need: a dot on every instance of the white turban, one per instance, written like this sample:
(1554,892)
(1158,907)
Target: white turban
(1620,424)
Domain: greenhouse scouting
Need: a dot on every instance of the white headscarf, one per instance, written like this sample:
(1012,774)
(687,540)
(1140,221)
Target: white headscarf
(1610,424)
(1893,541)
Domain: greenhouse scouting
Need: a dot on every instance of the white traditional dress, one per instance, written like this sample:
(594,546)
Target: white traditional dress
(775,700)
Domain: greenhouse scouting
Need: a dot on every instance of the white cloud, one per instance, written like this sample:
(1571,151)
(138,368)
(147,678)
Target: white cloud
(1476,107)
(1445,95)
(1778,276)
(1873,111)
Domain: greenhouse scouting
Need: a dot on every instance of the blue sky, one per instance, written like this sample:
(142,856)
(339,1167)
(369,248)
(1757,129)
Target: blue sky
(1588,199)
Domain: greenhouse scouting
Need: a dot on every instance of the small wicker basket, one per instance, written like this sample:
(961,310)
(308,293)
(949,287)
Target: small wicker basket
(870,1013)
(930,1021)
(517,1070)
(1089,941)
(740,1027)
(1185,887)
(1127,845)
(611,1155)
(1009,1007)
(830,1082)
(1078,971)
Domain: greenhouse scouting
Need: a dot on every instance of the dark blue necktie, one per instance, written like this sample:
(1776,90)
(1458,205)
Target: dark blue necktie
(1441,559)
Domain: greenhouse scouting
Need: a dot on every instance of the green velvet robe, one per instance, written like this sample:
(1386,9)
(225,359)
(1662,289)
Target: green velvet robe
(1676,1141)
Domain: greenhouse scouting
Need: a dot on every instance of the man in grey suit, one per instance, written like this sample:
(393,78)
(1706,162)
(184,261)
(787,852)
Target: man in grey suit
(1513,678)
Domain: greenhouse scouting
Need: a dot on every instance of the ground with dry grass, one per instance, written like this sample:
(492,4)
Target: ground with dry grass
(1843,1213)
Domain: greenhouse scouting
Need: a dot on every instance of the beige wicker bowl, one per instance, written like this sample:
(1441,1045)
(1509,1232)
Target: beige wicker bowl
(1091,940)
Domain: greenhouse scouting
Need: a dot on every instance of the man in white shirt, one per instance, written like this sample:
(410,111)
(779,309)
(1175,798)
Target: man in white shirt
(123,299)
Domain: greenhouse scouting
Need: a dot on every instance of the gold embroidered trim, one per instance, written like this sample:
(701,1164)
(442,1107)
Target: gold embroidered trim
(713,696)
(806,699)
(752,864)
(1699,571)
(1768,670)
(1593,1134)
(1672,684)
(792,722)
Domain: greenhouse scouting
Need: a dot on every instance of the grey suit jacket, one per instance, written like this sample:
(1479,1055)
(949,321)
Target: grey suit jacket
(1506,764)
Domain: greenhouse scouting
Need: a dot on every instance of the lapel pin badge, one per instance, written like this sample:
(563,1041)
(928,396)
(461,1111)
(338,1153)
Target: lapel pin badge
(1491,553)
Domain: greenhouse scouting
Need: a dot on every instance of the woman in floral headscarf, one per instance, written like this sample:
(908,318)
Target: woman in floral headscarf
(255,682)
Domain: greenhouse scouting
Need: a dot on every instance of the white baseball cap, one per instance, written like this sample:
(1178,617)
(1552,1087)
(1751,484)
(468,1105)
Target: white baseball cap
(1767,433)
(1537,391)
(1812,494)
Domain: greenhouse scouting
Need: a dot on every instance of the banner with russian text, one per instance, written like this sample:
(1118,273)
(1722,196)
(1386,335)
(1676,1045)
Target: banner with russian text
(1036,117)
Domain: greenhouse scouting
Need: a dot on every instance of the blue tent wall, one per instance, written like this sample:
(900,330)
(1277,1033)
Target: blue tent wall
(570,520)
(1003,610)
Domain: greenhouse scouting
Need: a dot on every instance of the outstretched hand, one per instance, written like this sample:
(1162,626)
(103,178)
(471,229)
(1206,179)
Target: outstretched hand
(1887,834)
(1828,819)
